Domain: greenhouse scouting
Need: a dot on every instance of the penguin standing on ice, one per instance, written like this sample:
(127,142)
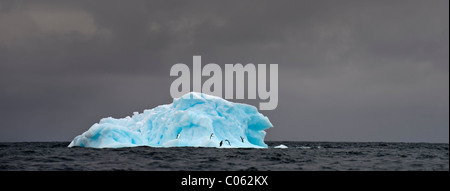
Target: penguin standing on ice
(211,136)
(242,139)
(221,143)
(178,135)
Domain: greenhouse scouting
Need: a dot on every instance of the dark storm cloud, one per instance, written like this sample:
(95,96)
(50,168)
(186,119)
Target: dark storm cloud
(349,70)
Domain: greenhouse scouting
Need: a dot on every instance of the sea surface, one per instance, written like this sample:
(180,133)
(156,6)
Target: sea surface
(299,156)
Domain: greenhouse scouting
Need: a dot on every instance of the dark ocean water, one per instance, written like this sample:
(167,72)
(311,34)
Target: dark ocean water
(299,156)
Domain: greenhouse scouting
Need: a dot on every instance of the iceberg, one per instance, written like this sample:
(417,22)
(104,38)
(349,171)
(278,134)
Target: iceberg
(281,147)
(193,120)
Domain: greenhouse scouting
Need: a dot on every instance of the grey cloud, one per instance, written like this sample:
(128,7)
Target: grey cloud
(349,70)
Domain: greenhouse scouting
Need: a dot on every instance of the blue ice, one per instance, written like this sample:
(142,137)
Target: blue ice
(194,120)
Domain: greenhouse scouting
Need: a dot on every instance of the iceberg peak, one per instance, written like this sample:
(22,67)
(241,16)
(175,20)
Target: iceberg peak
(194,119)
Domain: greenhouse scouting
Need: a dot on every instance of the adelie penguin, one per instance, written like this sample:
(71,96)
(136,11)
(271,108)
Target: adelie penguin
(211,136)
(220,143)
(242,139)
(178,135)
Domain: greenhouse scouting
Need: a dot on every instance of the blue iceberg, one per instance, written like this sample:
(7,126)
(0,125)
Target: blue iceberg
(193,120)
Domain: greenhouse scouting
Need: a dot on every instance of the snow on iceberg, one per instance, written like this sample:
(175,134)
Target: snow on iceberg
(195,119)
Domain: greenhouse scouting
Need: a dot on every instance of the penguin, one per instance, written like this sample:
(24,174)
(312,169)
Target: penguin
(178,135)
(228,141)
(211,136)
(242,139)
(221,143)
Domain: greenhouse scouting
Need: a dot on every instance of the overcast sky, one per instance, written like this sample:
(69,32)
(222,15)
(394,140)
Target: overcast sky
(348,70)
